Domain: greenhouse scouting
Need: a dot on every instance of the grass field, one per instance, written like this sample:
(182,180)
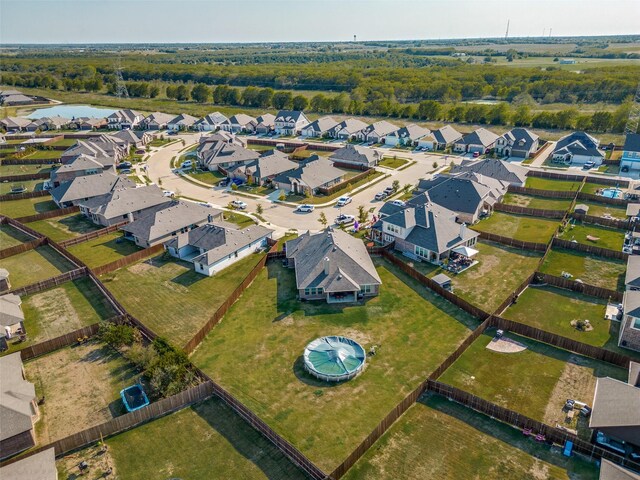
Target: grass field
(604,210)
(205,441)
(601,272)
(6,170)
(26,207)
(105,249)
(607,237)
(256,351)
(34,266)
(520,227)
(535,382)
(536,202)
(240,220)
(441,440)
(393,162)
(210,178)
(28,185)
(550,184)
(10,236)
(45,154)
(172,299)
(63,228)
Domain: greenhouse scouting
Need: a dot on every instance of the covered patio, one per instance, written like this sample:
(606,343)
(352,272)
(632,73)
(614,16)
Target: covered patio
(461,258)
(342,297)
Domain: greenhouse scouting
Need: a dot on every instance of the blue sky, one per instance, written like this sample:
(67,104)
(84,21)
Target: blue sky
(153,21)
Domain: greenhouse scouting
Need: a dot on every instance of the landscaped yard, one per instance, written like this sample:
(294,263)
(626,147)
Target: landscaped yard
(26,207)
(10,236)
(240,220)
(205,441)
(393,162)
(172,299)
(536,202)
(34,266)
(604,210)
(550,184)
(27,185)
(520,227)
(256,352)
(437,440)
(598,271)
(62,228)
(210,178)
(105,249)
(535,382)
(604,237)
(81,385)
(594,187)
(375,176)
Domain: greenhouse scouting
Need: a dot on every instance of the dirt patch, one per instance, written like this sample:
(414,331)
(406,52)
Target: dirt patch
(486,264)
(141,268)
(97,458)
(362,338)
(540,470)
(505,345)
(56,314)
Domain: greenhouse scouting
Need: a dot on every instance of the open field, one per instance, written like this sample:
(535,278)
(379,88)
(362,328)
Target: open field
(172,299)
(550,184)
(28,185)
(10,236)
(26,207)
(63,228)
(195,443)
(604,210)
(606,237)
(535,382)
(441,440)
(601,272)
(256,351)
(536,202)
(520,227)
(105,249)
(81,385)
(35,265)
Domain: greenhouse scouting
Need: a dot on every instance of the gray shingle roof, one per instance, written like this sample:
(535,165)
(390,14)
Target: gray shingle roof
(613,471)
(631,303)
(270,163)
(215,118)
(267,120)
(350,125)
(89,186)
(183,119)
(120,202)
(412,132)
(16,395)
(39,466)
(241,119)
(125,115)
(481,136)
(578,143)
(10,311)
(313,172)
(321,125)
(290,116)
(454,193)
(632,143)
(633,209)
(616,404)
(381,128)
(159,118)
(84,162)
(497,169)
(356,154)
(446,134)
(632,277)
(223,152)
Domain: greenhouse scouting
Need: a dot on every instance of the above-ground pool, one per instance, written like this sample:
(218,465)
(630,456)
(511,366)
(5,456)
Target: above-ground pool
(612,193)
(334,358)
(134,398)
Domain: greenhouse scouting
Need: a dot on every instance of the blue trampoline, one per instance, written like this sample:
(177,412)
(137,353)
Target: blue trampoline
(134,398)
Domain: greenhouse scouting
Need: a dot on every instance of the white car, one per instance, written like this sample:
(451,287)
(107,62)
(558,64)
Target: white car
(187,164)
(381,195)
(239,204)
(168,193)
(343,219)
(305,208)
(398,203)
(342,201)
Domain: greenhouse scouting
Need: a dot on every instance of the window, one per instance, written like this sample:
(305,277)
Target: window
(393,228)
(421,252)
(366,288)
(313,291)
(635,323)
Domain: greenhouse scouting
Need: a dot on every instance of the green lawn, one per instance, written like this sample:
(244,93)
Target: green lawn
(535,382)
(604,210)
(238,219)
(105,249)
(10,236)
(29,185)
(601,272)
(536,202)
(170,297)
(393,162)
(550,184)
(27,206)
(65,142)
(210,178)
(256,351)
(593,188)
(520,227)
(375,176)
(45,154)
(34,266)
(63,228)
(441,440)
(7,170)
(606,237)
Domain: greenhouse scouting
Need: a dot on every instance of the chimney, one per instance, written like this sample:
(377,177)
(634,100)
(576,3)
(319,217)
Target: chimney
(463,229)
(130,217)
(326,265)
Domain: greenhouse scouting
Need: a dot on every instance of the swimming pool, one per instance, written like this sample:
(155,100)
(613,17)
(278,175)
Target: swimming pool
(612,193)
(71,111)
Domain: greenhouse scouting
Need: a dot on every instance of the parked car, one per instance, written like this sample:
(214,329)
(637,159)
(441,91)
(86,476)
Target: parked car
(381,195)
(239,205)
(187,164)
(305,208)
(122,165)
(237,181)
(588,165)
(398,203)
(389,190)
(343,219)
(342,201)
(224,182)
(125,171)
(476,154)
(168,193)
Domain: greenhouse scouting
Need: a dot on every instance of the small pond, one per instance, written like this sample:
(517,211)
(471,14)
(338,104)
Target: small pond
(72,111)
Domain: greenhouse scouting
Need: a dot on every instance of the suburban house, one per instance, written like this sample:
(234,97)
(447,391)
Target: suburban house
(126,118)
(184,121)
(440,139)
(210,142)
(311,174)
(210,122)
(517,142)
(266,123)
(629,336)
(18,407)
(80,166)
(579,148)
(347,129)
(613,471)
(265,168)
(14,124)
(87,123)
(631,152)
(162,223)
(333,266)
(211,247)
(221,155)
(290,122)
(48,123)
(632,276)
(122,204)
(428,232)
(376,132)
(239,123)
(615,418)
(39,466)
(10,98)
(319,127)
(480,141)
(100,146)
(407,136)
(156,121)
(506,172)
(11,318)
(132,138)
(356,155)
(83,188)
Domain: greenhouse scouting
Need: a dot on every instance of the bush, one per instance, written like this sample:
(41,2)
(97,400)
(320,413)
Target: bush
(116,335)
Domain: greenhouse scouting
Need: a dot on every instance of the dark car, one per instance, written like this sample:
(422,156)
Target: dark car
(124,165)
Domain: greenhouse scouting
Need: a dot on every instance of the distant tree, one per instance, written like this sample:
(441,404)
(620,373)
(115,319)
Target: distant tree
(601,121)
(201,93)
(182,93)
(429,110)
(154,91)
(300,102)
(264,99)
(283,100)
(522,116)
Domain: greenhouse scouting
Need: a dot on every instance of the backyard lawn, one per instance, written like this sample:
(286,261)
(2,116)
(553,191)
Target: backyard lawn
(34,266)
(7,170)
(520,227)
(604,210)
(105,249)
(45,154)
(26,207)
(441,440)
(10,237)
(598,271)
(550,184)
(256,353)
(393,162)
(63,228)
(593,188)
(535,382)
(28,185)
(605,237)
(536,202)
(172,299)
(205,441)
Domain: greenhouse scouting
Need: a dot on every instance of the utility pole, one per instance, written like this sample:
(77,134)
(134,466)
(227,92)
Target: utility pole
(506,35)
(121,87)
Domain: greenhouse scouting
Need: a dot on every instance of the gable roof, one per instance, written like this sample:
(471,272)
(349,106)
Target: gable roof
(381,128)
(288,116)
(412,132)
(521,138)
(616,405)
(355,154)
(481,136)
(39,466)
(16,395)
(215,118)
(130,136)
(632,277)
(89,186)
(85,162)
(159,118)
(241,119)
(446,134)
(222,152)
(632,143)
(10,311)
(613,471)
(266,120)
(458,194)
(351,125)
(15,122)
(313,172)
(122,201)
(183,119)
(578,143)
(270,163)
(321,125)
(125,115)
(497,169)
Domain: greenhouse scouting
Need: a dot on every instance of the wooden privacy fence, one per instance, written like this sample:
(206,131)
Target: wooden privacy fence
(509,300)
(21,196)
(51,214)
(555,175)
(606,222)
(538,192)
(346,183)
(609,181)
(115,304)
(24,176)
(351,166)
(51,282)
(580,287)
(23,228)
(30,161)
(534,212)
(128,260)
(23,247)
(512,242)
(288,144)
(56,343)
(91,235)
(591,249)
(620,202)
